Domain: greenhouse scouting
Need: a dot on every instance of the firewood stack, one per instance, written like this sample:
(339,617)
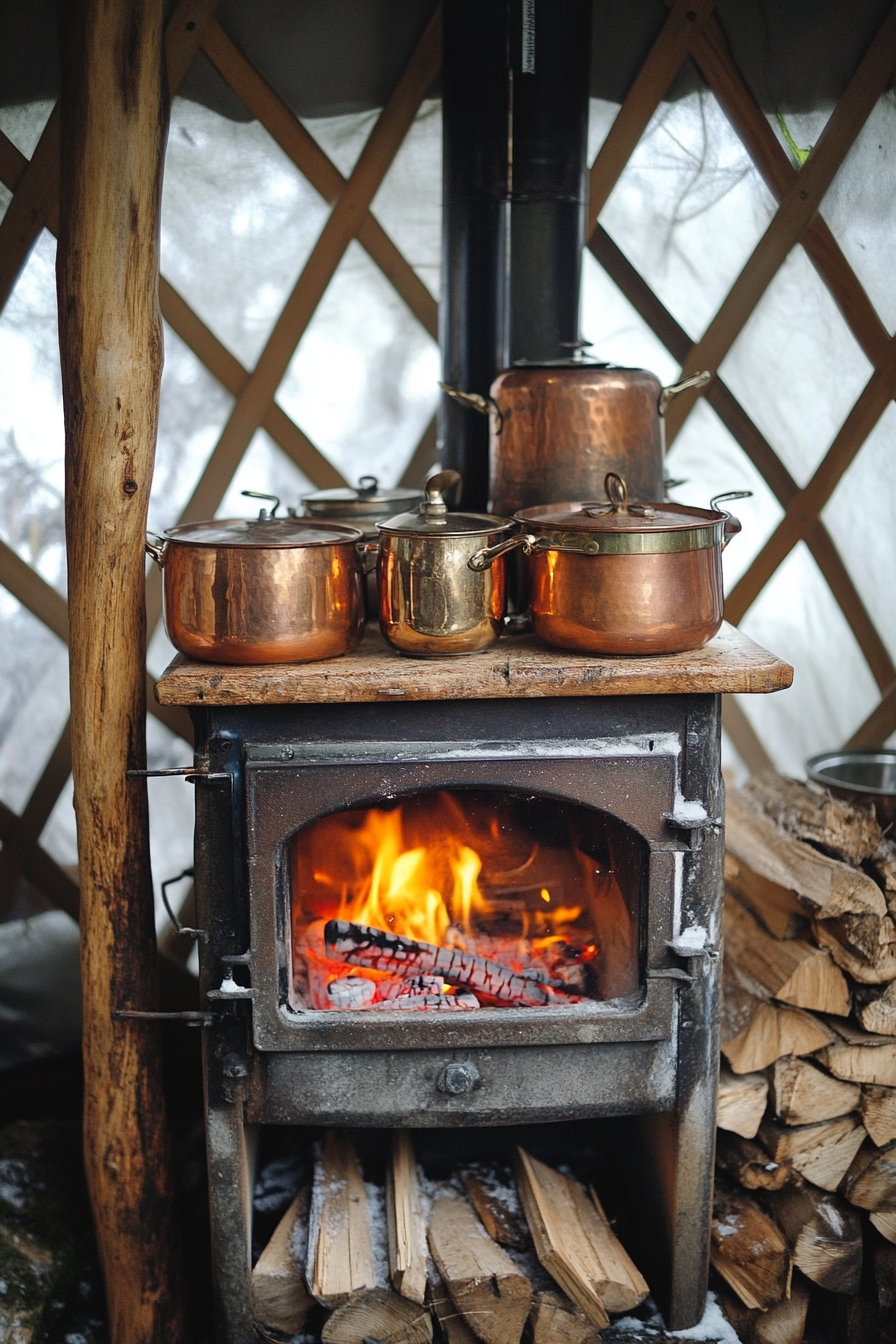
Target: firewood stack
(477,1258)
(806,1158)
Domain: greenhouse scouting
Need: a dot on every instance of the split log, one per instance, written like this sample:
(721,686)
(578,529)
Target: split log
(825,886)
(779,910)
(824,1235)
(858,1056)
(790,970)
(883,865)
(575,1243)
(879,1014)
(113,126)
(453,1325)
(804,1095)
(878,1107)
(280,1299)
(483,1282)
(378,1314)
(553,1319)
(748,1250)
(821,1153)
(497,1205)
(775,1032)
(340,1256)
(741,1102)
(870,1182)
(885,1222)
(750,1165)
(405,1226)
(784,1323)
(848,831)
(845,942)
(360,945)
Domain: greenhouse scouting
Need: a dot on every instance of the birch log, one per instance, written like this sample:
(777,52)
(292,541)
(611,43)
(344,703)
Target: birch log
(114,122)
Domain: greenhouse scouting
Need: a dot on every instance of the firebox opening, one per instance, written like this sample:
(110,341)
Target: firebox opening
(460,899)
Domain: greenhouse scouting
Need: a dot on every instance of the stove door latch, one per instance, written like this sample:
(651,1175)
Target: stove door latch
(230,990)
(693,946)
(690,816)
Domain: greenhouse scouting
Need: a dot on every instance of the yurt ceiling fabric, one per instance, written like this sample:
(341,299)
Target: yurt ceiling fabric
(299,289)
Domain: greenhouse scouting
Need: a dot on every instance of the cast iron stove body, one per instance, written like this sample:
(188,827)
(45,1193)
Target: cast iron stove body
(632,745)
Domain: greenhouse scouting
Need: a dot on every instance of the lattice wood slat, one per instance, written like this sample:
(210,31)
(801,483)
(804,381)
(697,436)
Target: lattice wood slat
(39,867)
(15,857)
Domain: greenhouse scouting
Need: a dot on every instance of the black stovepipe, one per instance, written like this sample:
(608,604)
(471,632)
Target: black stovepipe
(515,82)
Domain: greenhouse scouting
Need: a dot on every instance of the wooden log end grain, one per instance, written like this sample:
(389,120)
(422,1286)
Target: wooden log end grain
(741,1102)
(482,1281)
(748,1250)
(378,1314)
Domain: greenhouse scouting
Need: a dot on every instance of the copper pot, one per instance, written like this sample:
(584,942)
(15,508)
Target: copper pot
(620,578)
(433,603)
(556,430)
(266,590)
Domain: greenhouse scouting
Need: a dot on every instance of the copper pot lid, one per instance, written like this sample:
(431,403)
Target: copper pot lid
(432,519)
(269,533)
(366,501)
(615,526)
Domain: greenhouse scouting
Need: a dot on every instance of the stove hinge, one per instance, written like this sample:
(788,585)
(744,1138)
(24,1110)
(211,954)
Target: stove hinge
(692,946)
(229,990)
(692,818)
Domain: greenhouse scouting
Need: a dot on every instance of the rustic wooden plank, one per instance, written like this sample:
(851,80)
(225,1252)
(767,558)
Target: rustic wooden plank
(519,666)
(662,63)
(184,32)
(113,119)
(799,202)
(714,60)
(345,219)
(298,144)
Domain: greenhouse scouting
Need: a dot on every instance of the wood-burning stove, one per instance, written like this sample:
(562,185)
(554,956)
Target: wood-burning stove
(620,757)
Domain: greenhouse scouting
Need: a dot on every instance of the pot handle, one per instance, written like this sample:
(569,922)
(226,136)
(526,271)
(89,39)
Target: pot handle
(485,558)
(157,547)
(732,524)
(367,554)
(484,405)
(683,385)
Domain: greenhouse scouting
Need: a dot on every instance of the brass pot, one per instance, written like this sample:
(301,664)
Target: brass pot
(432,603)
(266,590)
(622,578)
(556,430)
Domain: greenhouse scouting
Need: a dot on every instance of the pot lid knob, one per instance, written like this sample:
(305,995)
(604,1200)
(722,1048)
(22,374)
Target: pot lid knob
(367,486)
(434,505)
(617,493)
(263,514)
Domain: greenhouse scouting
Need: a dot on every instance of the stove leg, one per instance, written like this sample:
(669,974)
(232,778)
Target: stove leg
(231,1150)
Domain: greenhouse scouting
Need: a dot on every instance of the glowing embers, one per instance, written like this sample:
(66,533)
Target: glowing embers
(455,900)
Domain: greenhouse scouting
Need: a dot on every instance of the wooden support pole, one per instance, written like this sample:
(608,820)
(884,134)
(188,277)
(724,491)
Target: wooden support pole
(114,121)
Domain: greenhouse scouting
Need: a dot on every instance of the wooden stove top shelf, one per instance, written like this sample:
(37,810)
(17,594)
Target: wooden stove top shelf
(519,666)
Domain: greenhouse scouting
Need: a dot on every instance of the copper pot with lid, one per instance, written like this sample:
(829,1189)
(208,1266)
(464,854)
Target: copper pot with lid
(261,590)
(622,578)
(556,430)
(432,602)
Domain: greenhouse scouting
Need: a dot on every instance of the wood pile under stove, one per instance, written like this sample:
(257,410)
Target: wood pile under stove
(486,1255)
(805,1205)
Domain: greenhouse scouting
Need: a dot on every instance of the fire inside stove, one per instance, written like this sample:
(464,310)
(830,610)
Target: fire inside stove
(463,899)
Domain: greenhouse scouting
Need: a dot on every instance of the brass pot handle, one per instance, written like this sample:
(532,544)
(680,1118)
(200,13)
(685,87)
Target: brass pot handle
(683,385)
(157,547)
(485,558)
(484,405)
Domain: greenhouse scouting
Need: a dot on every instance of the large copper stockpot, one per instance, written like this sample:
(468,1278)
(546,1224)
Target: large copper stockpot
(620,578)
(557,429)
(432,603)
(265,590)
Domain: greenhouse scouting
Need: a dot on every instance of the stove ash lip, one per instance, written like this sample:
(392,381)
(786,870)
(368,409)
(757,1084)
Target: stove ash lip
(625,1006)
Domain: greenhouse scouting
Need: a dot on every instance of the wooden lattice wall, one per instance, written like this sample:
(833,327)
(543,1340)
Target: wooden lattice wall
(691,29)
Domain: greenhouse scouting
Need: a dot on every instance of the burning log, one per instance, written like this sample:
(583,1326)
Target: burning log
(824,1235)
(340,1255)
(497,1205)
(484,1283)
(741,1102)
(440,1002)
(280,1299)
(405,1225)
(575,1243)
(359,945)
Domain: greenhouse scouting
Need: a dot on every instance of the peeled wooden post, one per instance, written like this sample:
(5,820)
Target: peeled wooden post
(114,121)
